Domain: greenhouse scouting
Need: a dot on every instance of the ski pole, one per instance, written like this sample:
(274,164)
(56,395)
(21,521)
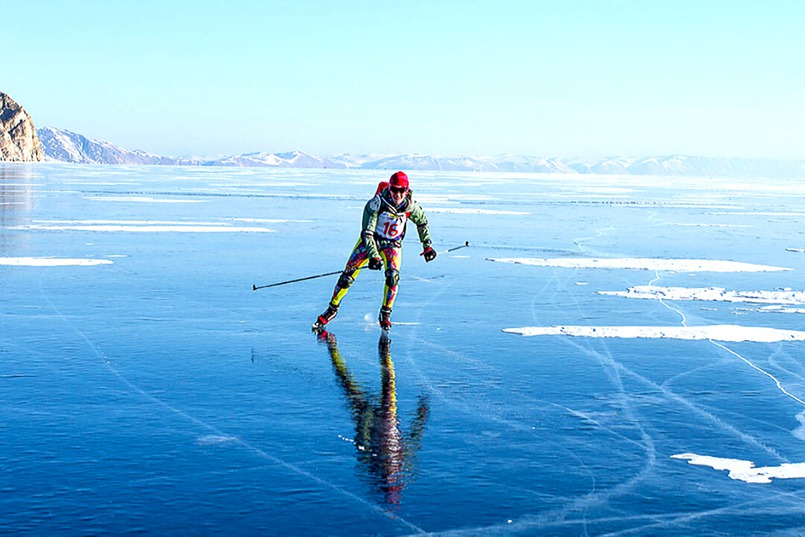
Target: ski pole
(466,243)
(256,287)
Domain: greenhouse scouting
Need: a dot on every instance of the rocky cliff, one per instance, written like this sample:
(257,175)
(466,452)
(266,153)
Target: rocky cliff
(18,139)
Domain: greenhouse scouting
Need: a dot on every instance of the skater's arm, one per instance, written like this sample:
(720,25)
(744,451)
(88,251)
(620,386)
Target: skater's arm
(418,217)
(370,212)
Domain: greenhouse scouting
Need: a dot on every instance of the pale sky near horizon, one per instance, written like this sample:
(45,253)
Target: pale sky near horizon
(545,78)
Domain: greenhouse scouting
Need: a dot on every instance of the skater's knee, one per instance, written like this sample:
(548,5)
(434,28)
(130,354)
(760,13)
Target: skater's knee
(392,277)
(345,280)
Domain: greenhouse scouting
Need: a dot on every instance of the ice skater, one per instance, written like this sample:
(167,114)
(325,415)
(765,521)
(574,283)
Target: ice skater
(384,221)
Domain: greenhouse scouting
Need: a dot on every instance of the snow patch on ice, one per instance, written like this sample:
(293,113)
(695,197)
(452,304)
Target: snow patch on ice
(263,220)
(764,213)
(776,309)
(51,262)
(140,226)
(142,199)
(123,222)
(606,190)
(716,294)
(742,470)
(732,333)
(707,225)
(433,199)
(656,264)
(799,432)
(215,439)
(468,210)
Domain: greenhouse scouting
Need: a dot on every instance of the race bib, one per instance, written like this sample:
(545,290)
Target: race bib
(390,226)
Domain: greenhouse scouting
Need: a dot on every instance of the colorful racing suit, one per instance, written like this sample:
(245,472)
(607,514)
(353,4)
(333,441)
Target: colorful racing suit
(384,227)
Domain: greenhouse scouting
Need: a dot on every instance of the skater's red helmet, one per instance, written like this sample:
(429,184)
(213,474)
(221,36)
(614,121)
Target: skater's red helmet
(399,181)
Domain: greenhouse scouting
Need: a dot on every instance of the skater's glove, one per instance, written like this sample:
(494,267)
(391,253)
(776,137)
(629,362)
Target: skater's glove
(375,263)
(429,254)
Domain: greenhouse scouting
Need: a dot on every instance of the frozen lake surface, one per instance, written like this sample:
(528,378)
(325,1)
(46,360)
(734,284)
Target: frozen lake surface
(611,356)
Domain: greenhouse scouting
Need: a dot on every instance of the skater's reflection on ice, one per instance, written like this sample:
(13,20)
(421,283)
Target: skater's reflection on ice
(384,449)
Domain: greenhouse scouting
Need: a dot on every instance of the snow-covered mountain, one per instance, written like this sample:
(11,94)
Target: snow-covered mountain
(293,159)
(65,146)
(502,163)
(684,165)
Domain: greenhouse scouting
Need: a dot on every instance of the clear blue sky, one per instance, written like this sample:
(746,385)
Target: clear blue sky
(546,78)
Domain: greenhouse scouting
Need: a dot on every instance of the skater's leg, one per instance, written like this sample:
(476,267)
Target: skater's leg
(357,260)
(392,259)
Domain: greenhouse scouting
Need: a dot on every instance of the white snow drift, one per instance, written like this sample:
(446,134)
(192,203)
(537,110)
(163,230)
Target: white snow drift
(715,294)
(470,210)
(142,199)
(732,333)
(671,265)
(51,262)
(742,470)
(142,226)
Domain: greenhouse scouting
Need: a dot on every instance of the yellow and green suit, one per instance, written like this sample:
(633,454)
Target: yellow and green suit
(383,230)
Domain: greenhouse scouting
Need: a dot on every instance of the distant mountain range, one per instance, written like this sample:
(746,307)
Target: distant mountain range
(65,146)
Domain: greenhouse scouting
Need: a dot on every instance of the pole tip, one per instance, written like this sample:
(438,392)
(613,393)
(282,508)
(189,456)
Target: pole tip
(254,287)
(466,243)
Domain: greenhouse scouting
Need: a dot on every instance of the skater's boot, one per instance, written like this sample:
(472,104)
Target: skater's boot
(328,315)
(384,318)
